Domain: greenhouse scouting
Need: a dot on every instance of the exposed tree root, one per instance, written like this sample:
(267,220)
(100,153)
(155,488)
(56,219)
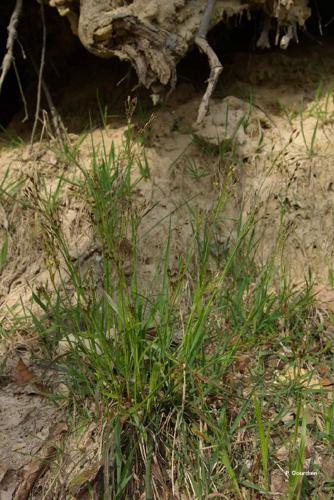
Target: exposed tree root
(155,34)
(12,34)
(215,65)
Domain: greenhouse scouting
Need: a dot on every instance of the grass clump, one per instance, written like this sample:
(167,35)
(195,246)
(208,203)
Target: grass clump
(190,381)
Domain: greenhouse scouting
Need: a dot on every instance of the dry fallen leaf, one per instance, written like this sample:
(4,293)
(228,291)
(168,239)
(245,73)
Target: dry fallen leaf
(325,297)
(328,467)
(289,417)
(22,374)
(18,446)
(33,470)
(242,362)
(3,471)
(282,453)
(279,482)
(303,377)
(326,382)
(31,473)
(323,369)
(83,479)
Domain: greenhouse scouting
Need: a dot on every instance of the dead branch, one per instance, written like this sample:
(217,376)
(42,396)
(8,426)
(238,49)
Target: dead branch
(12,34)
(215,65)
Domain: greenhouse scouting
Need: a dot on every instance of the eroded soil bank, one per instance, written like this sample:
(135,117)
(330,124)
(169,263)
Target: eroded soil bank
(274,115)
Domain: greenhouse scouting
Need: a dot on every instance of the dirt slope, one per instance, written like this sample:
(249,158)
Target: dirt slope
(282,164)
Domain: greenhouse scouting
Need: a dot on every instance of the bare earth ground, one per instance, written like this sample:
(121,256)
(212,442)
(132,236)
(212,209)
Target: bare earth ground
(283,161)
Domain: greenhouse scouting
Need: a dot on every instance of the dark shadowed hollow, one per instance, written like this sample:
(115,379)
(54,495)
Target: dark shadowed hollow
(69,64)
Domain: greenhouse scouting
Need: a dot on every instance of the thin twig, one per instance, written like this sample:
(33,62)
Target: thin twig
(215,65)
(40,75)
(59,127)
(12,34)
(319,18)
(329,22)
(24,101)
